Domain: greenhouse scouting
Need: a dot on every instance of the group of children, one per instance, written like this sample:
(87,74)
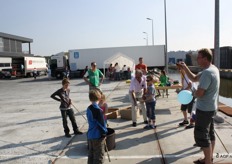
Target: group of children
(185,108)
(96,115)
(150,99)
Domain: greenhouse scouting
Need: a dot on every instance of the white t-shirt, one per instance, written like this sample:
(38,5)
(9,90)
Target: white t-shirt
(136,86)
(124,69)
(117,68)
(185,84)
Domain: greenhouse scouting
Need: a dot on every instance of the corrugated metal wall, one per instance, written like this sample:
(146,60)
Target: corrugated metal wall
(188,60)
(11,45)
(6,44)
(226,57)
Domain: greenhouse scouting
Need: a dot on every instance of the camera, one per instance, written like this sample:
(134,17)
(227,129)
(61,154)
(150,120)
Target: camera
(178,66)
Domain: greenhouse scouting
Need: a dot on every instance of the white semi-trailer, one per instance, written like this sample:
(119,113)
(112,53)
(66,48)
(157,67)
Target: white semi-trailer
(5,63)
(76,60)
(24,66)
(35,62)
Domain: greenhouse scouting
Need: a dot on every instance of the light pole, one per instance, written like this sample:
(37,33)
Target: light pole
(152,30)
(147,37)
(166,44)
(217,35)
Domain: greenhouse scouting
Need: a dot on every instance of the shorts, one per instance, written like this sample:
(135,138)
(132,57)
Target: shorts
(187,106)
(204,128)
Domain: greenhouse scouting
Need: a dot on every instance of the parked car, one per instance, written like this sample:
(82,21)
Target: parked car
(5,75)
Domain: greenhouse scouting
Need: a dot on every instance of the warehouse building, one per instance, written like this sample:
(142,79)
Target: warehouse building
(11,45)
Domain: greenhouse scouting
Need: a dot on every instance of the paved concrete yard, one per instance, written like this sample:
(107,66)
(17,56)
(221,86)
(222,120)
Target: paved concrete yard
(31,127)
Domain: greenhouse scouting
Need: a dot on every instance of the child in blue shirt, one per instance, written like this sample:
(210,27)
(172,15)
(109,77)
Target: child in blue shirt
(97,130)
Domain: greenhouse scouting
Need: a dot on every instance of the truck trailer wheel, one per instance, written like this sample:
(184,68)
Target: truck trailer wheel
(58,75)
(29,74)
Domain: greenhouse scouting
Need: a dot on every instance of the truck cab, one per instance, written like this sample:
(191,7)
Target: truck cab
(59,64)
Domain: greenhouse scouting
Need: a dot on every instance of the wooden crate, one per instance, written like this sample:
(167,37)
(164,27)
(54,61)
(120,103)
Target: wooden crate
(112,113)
(126,113)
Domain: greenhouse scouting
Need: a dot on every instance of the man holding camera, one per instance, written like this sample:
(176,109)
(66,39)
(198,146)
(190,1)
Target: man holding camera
(207,102)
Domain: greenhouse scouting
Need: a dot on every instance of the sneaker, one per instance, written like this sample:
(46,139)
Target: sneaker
(146,127)
(68,135)
(185,122)
(201,161)
(134,124)
(145,122)
(157,95)
(189,126)
(196,145)
(78,132)
(152,126)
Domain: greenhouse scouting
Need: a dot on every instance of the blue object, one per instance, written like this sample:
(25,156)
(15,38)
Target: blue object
(194,117)
(76,55)
(185,97)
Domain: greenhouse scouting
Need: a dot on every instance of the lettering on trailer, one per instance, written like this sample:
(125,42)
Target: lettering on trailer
(76,55)
(34,61)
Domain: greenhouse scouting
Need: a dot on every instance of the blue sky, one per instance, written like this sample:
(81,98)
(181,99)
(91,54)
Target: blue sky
(58,25)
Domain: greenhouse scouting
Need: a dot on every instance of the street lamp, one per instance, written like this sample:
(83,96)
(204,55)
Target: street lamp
(152,30)
(147,37)
(146,41)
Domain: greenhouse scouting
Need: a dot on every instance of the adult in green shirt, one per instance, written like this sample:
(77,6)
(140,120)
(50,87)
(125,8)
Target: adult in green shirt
(94,77)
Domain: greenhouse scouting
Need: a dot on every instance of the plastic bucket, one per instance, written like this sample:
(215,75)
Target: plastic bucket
(110,139)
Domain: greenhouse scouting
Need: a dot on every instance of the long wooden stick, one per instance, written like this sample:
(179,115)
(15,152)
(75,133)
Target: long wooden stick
(79,112)
(109,113)
(107,152)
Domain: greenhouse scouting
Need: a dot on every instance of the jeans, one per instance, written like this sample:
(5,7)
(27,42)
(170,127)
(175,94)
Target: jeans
(151,110)
(70,114)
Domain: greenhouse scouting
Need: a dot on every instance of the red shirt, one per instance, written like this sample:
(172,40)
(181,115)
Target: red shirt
(141,66)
